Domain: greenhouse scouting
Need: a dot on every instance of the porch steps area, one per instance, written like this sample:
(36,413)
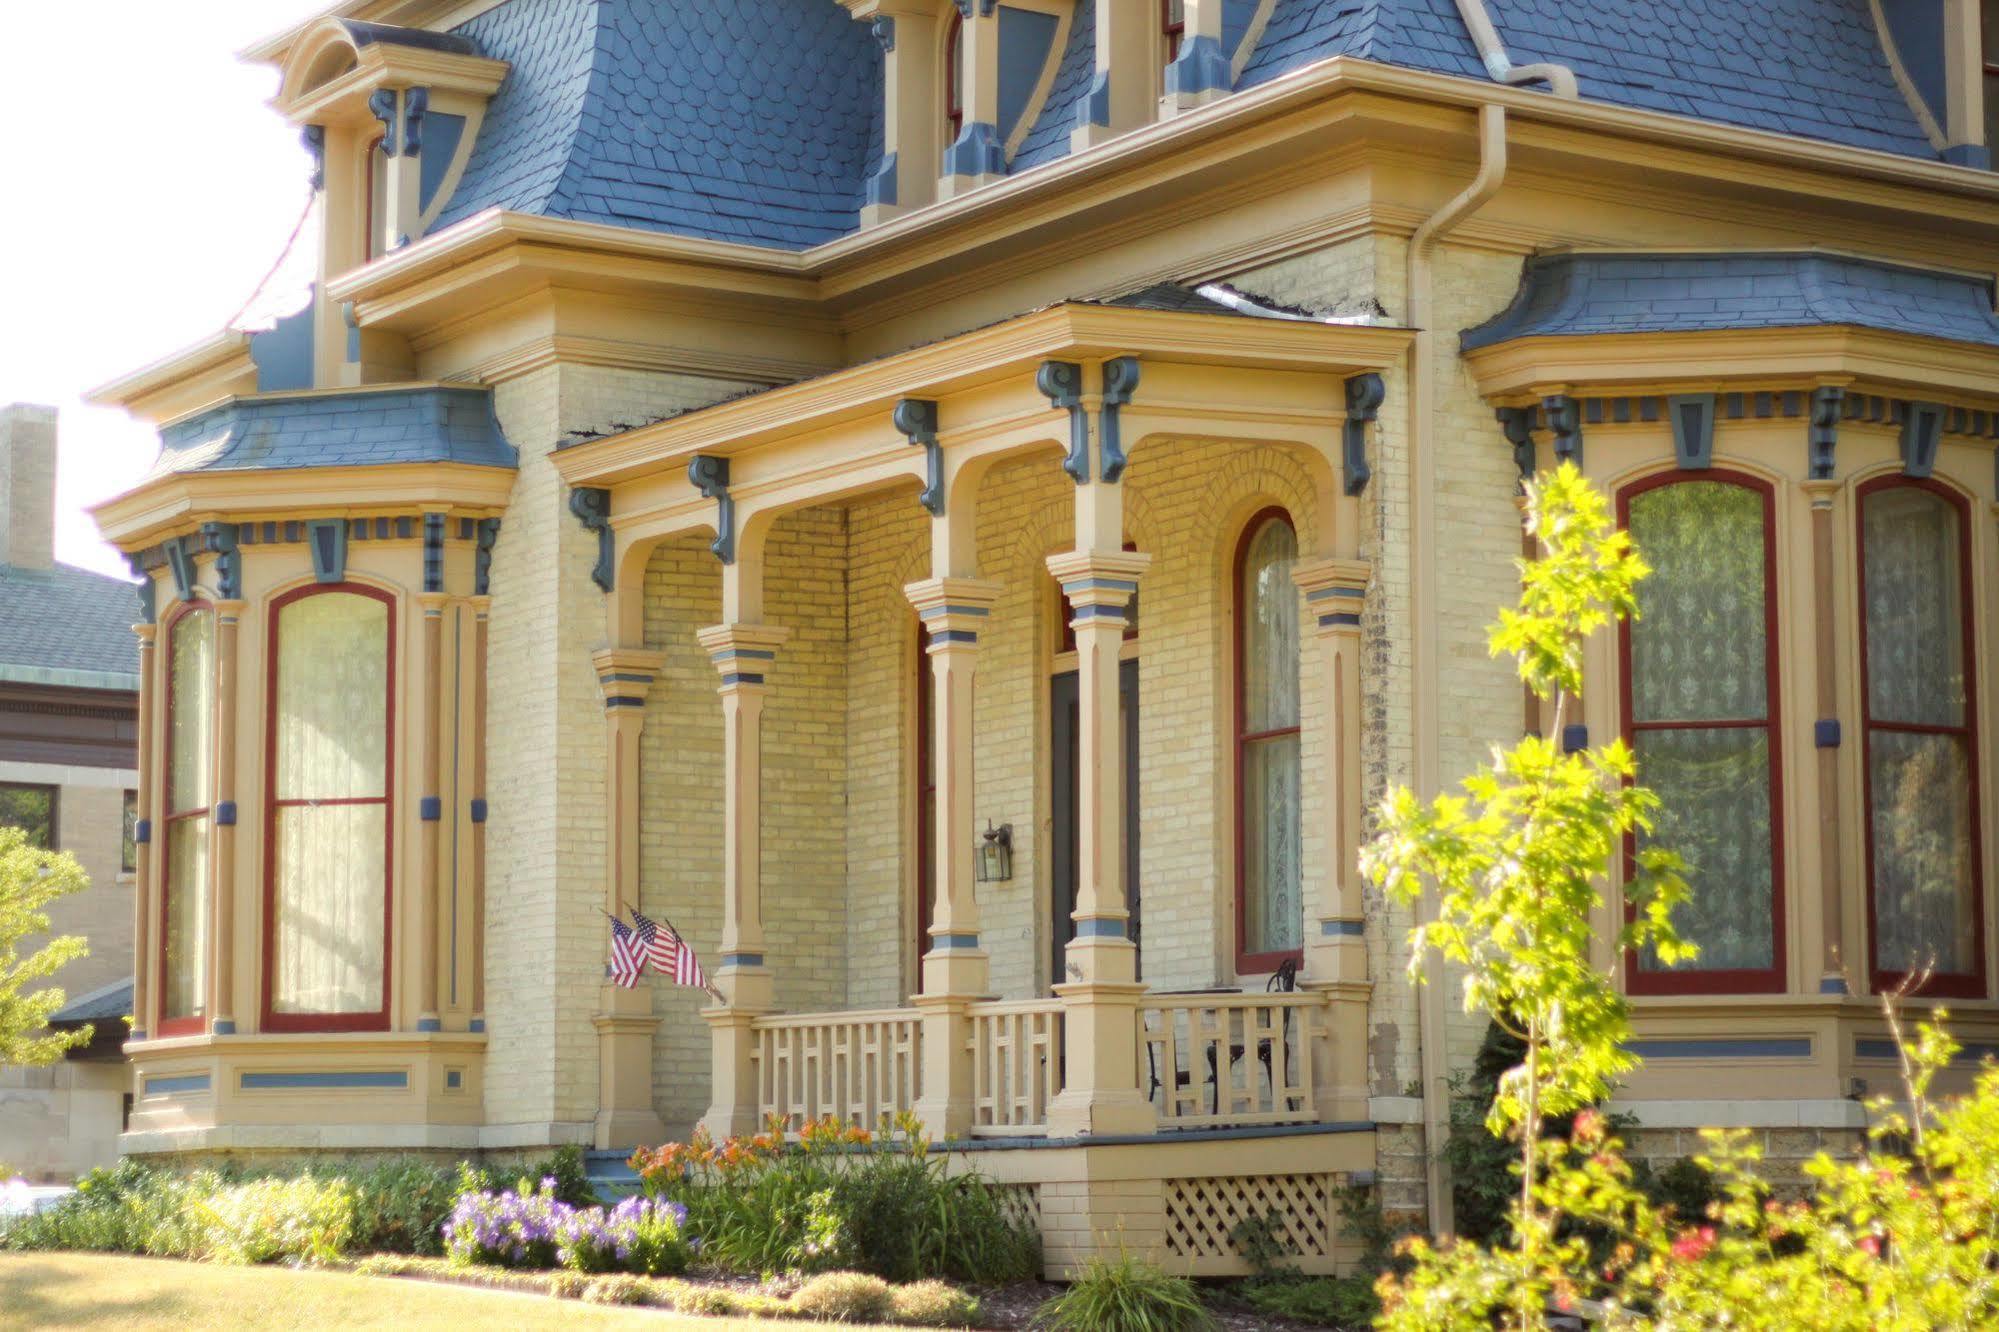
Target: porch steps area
(610,1174)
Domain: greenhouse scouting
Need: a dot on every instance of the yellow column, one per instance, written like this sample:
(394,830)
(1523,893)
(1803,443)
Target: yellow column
(430,812)
(1336,942)
(956,969)
(222,896)
(625,1020)
(742,654)
(1123,89)
(482,607)
(143,894)
(1832,971)
(977,157)
(913,127)
(1101,994)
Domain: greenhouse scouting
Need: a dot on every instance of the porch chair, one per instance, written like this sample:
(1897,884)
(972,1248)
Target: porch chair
(1283,981)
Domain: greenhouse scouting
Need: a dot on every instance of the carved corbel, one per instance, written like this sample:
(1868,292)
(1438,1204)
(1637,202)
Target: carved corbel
(486,534)
(1364,396)
(147,589)
(1922,431)
(314,139)
(1517,423)
(1563,416)
(1120,380)
(382,105)
(710,475)
(416,101)
(1693,430)
(433,552)
(592,507)
(1062,383)
(219,539)
(1828,407)
(916,418)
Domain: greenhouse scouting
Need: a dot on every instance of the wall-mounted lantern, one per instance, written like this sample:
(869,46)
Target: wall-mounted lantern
(996,853)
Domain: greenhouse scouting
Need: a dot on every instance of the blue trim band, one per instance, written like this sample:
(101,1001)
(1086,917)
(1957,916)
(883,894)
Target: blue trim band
(1575,738)
(1338,618)
(430,809)
(742,654)
(742,677)
(193,1082)
(742,959)
(936,612)
(222,1027)
(1099,613)
(1100,929)
(623,701)
(1825,733)
(1880,1047)
(947,942)
(1750,1048)
(1321,593)
(478,809)
(476,1024)
(225,814)
(429,1024)
(953,636)
(143,834)
(1832,985)
(453,1079)
(324,1081)
(624,677)
(1095,583)
(1352,929)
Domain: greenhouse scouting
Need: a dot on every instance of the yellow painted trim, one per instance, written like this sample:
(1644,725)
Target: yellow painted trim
(183,380)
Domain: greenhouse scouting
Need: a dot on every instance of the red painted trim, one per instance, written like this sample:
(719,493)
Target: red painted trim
(379,1019)
(1954,984)
(954,108)
(197,1023)
(1174,30)
(1733,980)
(1250,963)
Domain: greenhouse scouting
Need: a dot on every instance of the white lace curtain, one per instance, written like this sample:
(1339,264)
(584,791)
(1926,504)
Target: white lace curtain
(190,746)
(1273,900)
(331,827)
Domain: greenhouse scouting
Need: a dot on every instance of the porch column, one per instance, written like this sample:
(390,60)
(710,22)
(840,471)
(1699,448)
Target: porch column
(142,898)
(1101,995)
(742,654)
(956,969)
(624,1021)
(1832,971)
(1335,941)
(222,898)
(482,609)
(430,809)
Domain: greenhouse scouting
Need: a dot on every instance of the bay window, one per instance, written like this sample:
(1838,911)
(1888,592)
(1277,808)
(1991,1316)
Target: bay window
(184,886)
(1919,766)
(1269,894)
(1700,698)
(327,924)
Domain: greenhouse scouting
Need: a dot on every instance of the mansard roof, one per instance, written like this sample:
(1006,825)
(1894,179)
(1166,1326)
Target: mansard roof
(1578,294)
(758,120)
(356,428)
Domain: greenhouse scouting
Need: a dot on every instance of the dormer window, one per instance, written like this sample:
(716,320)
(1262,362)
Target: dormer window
(954,78)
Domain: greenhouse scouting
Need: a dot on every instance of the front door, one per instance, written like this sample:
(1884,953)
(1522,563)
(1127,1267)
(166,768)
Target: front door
(1063,852)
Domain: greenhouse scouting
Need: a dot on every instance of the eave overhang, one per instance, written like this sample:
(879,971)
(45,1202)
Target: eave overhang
(344,100)
(217,367)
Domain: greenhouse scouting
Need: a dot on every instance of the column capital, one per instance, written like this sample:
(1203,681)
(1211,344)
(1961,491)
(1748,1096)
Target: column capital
(1822,491)
(740,652)
(1098,578)
(433,603)
(625,674)
(953,610)
(1335,590)
(145,630)
(227,611)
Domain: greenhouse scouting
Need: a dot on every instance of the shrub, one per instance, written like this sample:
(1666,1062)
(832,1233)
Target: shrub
(637,1235)
(845,1297)
(130,1208)
(619,1289)
(567,1285)
(1127,1295)
(933,1304)
(401,1206)
(304,1219)
(1346,1302)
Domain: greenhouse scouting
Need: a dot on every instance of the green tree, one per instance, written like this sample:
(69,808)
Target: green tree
(30,879)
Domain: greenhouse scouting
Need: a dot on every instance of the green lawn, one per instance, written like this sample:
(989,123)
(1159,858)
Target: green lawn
(50,1290)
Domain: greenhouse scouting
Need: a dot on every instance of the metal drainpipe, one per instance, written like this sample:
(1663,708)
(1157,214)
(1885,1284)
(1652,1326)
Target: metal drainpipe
(1423,603)
(1561,80)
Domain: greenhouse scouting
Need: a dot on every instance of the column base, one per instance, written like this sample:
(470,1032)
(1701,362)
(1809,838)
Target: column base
(1084,1114)
(625,1026)
(1102,1094)
(945,1108)
(732,1078)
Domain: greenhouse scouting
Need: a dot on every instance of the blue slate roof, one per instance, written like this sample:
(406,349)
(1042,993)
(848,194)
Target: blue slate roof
(65,625)
(100,1005)
(1572,294)
(362,428)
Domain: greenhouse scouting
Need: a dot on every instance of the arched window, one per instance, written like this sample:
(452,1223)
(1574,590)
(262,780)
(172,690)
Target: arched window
(1700,710)
(1920,762)
(1270,922)
(327,911)
(189,781)
(954,78)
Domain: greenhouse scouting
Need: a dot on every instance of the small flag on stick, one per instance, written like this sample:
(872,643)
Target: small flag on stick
(670,955)
(627,958)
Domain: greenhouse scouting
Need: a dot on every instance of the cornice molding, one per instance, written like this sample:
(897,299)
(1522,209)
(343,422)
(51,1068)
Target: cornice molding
(574,349)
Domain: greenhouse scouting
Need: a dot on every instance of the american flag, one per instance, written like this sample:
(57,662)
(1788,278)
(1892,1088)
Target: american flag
(669,954)
(627,957)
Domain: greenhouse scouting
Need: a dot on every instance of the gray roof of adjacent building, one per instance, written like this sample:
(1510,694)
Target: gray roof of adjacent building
(68,626)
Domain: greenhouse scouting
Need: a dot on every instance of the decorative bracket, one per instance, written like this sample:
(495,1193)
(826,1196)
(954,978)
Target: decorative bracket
(710,475)
(1828,407)
(1517,423)
(382,105)
(1922,431)
(484,535)
(180,559)
(592,507)
(1062,383)
(220,540)
(314,139)
(883,29)
(965,8)
(326,539)
(1364,395)
(916,418)
(147,589)
(1563,416)
(1120,380)
(433,552)
(416,101)
(1693,430)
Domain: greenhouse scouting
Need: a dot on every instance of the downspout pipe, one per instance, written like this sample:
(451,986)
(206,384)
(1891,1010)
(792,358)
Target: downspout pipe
(1561,80)
(1423,604)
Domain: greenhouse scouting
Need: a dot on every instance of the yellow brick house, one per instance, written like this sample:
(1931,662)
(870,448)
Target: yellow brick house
(962,505)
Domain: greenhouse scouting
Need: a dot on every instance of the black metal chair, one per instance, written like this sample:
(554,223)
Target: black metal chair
(1283,981)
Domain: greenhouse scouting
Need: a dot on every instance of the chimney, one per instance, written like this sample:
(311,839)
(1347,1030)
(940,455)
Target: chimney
(28,486)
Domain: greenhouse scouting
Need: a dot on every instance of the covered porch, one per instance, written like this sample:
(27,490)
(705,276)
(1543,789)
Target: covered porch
(1080,506)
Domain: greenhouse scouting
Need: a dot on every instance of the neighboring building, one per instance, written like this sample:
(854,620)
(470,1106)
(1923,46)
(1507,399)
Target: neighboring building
(68,775)
(814,352)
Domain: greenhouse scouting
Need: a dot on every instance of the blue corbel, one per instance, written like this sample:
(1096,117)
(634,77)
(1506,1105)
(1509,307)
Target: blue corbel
(883,29)
(147,589)
(1062,383)
(326,540)
(916,418)
(1517,423)
(416,101)
(1828,406)
(1693,430)
(484,535)
(1120,379)
(314,139)
(1922,431)
(592,507)
(180,559)
(382,105)
(433,552)
(965,8)
(710,475)
(220,540)
(1564,417)
(1364,395)
(1201,67)
(880,187)
(1095,107)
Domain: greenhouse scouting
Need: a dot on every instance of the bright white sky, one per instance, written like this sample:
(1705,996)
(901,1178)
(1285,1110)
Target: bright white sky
(145,189)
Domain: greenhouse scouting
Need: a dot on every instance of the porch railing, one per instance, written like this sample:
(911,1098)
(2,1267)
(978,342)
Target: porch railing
(1226,1059)
(854,1067)
(1016,1066)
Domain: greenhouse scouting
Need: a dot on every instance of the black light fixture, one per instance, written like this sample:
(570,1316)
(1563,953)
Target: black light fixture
(996,853)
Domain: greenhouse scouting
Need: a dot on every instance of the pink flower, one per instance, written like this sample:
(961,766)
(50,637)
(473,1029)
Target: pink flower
(1693,1245)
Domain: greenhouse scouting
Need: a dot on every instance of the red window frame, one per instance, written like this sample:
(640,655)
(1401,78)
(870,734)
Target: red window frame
(1733,980)
(1948,984)
(926,803)
(954,105)
(1247,962)
(197,1023)
(1174,30)
(379,1019)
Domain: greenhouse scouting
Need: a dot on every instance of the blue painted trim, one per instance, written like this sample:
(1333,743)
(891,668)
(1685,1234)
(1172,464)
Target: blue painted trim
(138,1034)
(143,834)
(1825,733)
(1099,583)
(710,475)
(883,30)
(1974,155)
(1061,382)
(1724,1048)
(1822,429)
(1832,985)
(225,814)
(1563,417)
(1095,107)
(453,1079)
(323,1081)
(175,1086)
(430,809)
(1879,1047)
(478,809)
(1692,416)
(977,151)
(222,1027)
(1575,738)
(1343,928)
(624,677)
(1321,593)
(1120,376)
(1100,929)
(1517,424)
(180,561)
(624,701)
(326,538)
(1922,431)
(937,612)
(742,677)
(1364,395)
(592,507)
(1338,618)
(742,654)
(429,1024)
(1154,1139)
(1082,613)
(953,636)
(742,959)
(949,942)
(476,1025)
(916,419)
(1200,67)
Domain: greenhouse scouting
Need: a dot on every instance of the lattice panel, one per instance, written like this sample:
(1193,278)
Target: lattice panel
(1202,1213)
(1021,1203)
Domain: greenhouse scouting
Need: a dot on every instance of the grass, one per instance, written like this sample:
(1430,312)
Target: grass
(60,1290)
